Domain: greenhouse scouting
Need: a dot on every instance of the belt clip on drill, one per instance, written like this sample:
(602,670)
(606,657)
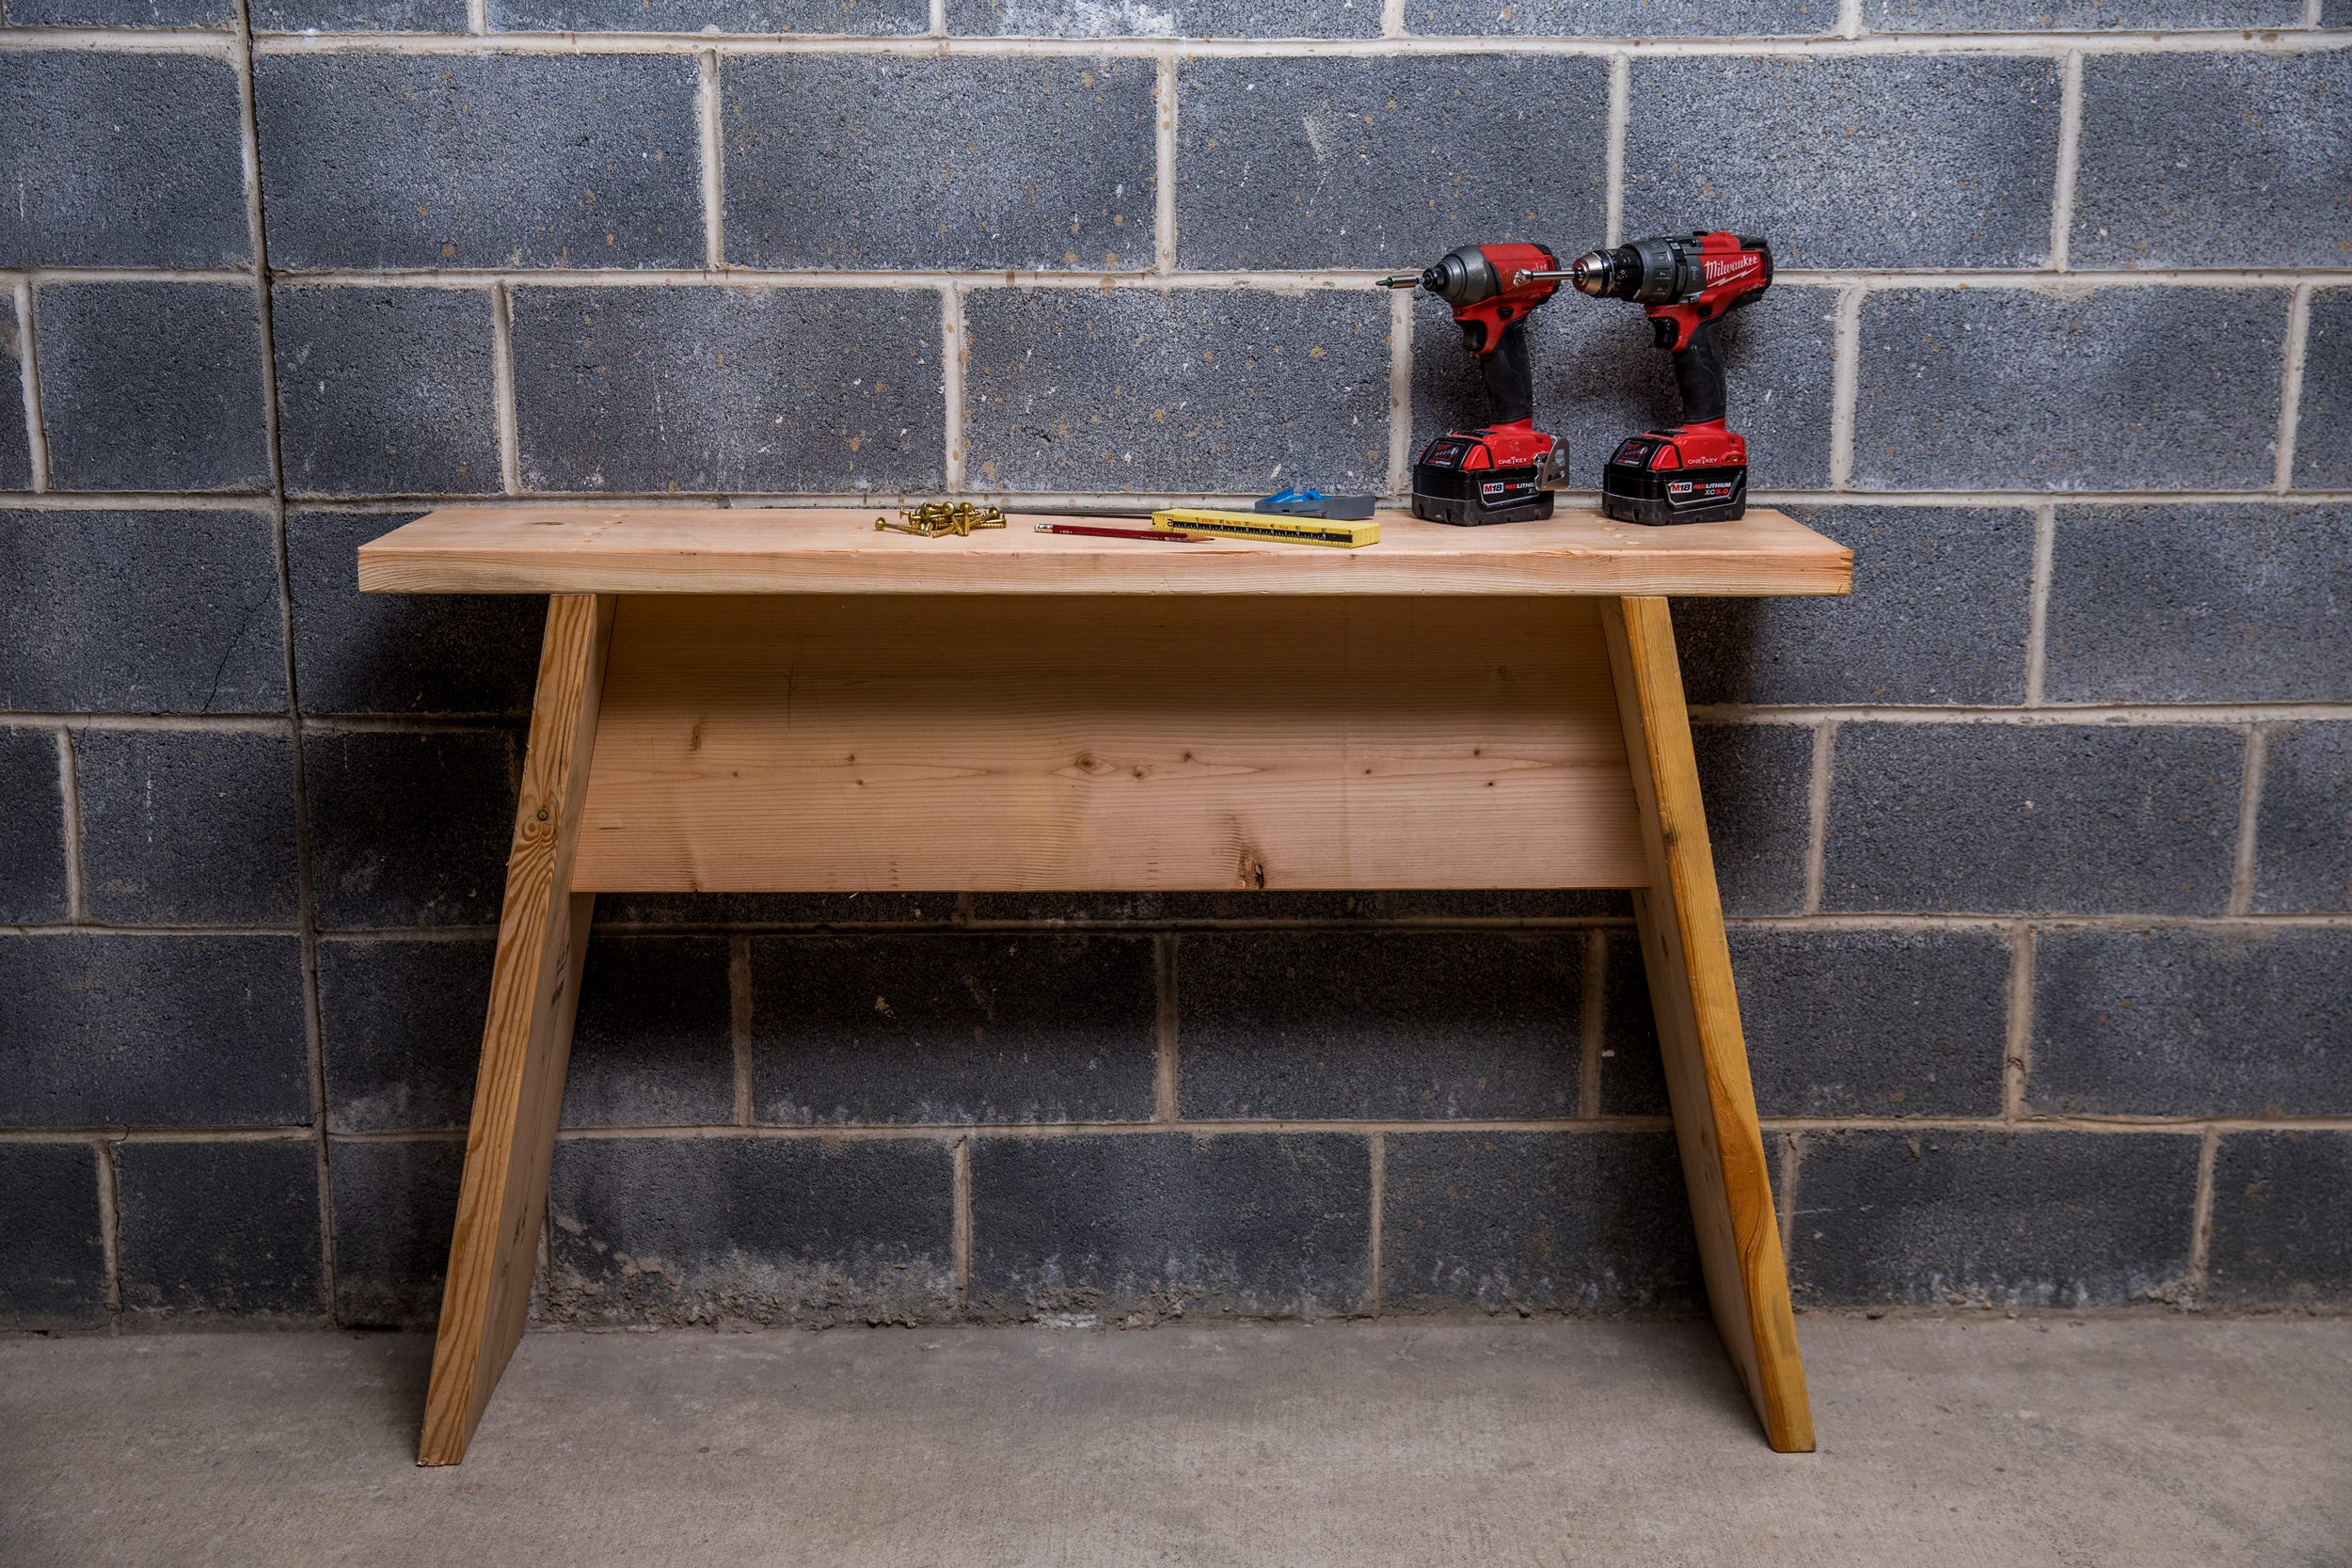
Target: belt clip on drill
(1696,472)
(1506,472)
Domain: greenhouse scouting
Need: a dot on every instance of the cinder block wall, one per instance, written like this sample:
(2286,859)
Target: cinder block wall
(2039,848)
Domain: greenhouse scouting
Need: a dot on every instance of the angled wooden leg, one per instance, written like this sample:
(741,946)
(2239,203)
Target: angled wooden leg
(1698,1029)
(535,985)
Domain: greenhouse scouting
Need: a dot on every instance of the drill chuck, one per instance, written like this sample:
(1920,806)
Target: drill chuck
(1590,273)
(1650,272)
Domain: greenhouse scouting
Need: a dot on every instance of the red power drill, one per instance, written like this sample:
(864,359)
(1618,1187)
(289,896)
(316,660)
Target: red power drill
(1698,471)
(1505,472)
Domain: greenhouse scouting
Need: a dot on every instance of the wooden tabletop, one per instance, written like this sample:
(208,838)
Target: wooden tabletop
(584,548)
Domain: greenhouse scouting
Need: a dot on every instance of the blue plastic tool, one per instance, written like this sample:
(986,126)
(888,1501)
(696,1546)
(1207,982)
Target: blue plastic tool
(1310,503)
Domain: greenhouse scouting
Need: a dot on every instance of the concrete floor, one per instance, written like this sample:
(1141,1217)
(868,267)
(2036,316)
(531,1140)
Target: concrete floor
(2146,1441)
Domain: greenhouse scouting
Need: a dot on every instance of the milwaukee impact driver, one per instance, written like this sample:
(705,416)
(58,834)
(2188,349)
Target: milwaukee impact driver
(1507,470)
(1698,471)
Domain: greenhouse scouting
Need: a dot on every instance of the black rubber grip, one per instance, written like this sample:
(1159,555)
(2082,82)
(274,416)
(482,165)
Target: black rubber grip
(1699,376)
(1511,377)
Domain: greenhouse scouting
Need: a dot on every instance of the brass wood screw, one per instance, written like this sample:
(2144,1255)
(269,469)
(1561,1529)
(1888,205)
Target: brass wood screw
(934,519)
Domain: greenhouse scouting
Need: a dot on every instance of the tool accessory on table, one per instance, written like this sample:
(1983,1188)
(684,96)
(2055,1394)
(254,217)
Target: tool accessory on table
(1310,503)
(1505,470)
(1259,525)
(1097,531)
(1695,471)
(937,519)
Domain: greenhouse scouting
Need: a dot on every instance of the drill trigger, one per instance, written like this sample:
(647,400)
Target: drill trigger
(1661,332)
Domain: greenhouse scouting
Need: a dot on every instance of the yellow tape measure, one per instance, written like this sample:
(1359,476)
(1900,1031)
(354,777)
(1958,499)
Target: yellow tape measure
(1267,526)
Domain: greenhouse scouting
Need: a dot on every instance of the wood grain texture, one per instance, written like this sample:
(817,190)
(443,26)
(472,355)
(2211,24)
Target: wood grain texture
(575,548)
(1683,947)
(939,743)
(526,1039)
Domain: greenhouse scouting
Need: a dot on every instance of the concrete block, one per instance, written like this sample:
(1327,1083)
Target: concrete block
(654,1045)
(1536,1222)
(374,160)
(120,13)
(362,16)
(2126,389)
(869,18)
(158,180)
(1838,1023)
(1276,1026)
(963,164)
(2063,1220)
(183,828)
(1195,391)
(2303,830)
(1142,1227)
(2191,1022)
(852,1030)
(2323,437)
(2064,818)
(16,452)
(1332,161)
(139,613)
(2213,160)
(750,1231)
(410,829)
(401,653)
(385,391)
(394,1203)
(2073,16)
(221,1231)
(136,1031)
(1189,19)
(1941,606)
(1873,1023)
(1757,782)
(729,390)
(152,386)
(1597,381)
(2278,1234)
(400,1031)
(1633,1073)
(1622,18)
(52,1272)
(2200,604)
(1854,161)
(32,853)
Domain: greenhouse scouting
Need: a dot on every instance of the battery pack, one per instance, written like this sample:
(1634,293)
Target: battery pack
(1634,492)
(1446,490)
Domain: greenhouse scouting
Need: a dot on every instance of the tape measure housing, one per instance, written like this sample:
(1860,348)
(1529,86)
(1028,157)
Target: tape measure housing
(1265,526)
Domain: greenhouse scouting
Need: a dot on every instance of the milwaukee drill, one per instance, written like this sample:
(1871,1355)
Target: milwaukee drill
(1696,472)
(1507,470)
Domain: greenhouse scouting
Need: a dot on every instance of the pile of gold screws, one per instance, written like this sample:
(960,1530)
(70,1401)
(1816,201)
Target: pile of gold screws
(934,519)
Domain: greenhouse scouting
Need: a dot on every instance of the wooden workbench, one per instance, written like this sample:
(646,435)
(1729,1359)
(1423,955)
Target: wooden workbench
(736,700)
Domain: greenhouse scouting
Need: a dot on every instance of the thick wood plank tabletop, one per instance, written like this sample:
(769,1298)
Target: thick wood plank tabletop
(572,547)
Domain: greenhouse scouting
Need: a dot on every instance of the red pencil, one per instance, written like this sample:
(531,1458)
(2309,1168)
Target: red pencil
(1164,535)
